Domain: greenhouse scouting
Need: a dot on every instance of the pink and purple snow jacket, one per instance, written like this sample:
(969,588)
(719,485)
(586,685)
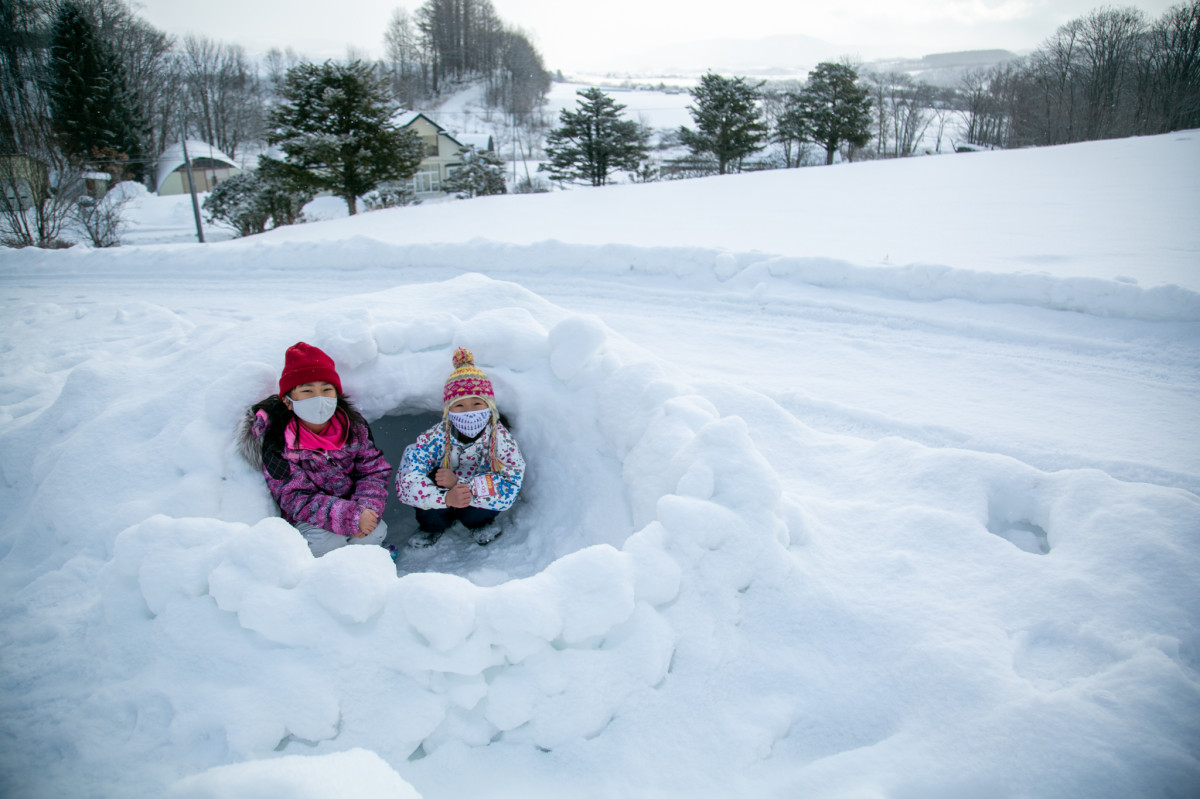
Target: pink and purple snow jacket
(326,488)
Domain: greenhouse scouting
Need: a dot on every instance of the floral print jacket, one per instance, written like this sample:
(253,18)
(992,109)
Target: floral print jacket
(414,476)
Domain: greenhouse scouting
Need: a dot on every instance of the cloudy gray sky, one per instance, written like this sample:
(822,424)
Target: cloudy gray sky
(573,34)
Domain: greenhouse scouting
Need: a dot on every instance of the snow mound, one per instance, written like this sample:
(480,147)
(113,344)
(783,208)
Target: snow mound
(694,575)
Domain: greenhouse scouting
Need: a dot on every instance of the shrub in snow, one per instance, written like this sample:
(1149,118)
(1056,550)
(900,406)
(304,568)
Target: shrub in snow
(481,174)
(391,196)
(531,185)
(253,201)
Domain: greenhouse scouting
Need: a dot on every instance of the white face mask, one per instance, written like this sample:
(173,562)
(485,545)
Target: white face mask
(470,423)
(315,410)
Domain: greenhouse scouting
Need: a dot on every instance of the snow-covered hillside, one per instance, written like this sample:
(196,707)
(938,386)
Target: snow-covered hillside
(878,480)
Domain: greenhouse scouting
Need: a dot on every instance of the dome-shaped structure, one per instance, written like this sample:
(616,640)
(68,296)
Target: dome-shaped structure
(209,167)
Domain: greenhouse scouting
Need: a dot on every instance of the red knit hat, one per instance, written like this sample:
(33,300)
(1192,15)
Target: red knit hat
(304,363)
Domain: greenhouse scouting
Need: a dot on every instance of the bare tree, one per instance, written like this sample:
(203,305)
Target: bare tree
(102,219)
(1170,81)
(1110,45)
(24,41)
(407,70)
(224,95)
(460,36)
(150,76)
(774,105)
(276,63)
(519,83)
(39,192)
(910,105)
(878,84)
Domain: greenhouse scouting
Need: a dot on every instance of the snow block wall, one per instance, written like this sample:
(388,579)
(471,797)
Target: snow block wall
(222,631)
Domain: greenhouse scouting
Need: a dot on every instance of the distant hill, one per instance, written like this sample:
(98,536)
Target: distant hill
(794,55)
(783,54)
(943,69)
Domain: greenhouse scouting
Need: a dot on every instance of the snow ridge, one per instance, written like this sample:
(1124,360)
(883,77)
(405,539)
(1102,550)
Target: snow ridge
(744,272)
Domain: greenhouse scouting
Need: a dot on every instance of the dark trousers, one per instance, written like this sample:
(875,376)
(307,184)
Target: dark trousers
(438,520)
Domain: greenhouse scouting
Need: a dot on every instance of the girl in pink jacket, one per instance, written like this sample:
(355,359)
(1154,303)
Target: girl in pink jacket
(317,455)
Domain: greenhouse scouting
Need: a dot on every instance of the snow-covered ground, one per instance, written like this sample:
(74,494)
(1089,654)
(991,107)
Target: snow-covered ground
(878,480)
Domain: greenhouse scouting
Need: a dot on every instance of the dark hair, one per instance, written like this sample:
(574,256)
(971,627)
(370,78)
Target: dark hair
(279,414)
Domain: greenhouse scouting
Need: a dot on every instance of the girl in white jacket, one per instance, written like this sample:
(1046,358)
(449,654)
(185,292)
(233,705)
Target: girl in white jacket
(468,468)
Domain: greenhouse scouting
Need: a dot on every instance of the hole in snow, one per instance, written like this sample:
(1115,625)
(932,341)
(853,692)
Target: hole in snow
(392,435)
(572,497)
(1023,534)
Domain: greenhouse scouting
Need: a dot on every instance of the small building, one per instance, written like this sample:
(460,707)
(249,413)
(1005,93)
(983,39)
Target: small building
(96,184)
(24,182)
(209,167)
(442,151)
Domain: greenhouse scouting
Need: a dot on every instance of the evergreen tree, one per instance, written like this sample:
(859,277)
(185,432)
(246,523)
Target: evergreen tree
(594,142)
(482,173)
(334,126)
(729,122)
(831,110)
(94,113)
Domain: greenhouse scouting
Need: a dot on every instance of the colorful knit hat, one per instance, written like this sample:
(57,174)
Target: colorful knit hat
(305,363)
(467,380)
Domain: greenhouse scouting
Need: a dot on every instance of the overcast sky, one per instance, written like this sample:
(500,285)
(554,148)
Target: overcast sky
(574,34)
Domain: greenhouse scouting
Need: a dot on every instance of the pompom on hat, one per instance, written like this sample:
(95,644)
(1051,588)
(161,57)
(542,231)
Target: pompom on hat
(305,363)
(467,380)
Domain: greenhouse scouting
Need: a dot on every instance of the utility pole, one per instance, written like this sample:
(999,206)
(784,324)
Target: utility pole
(187,167)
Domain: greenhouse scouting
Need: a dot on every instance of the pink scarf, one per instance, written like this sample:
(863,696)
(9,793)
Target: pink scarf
(298,436)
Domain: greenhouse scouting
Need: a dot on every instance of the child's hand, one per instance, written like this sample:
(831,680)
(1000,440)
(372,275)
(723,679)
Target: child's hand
(367,522)
(459,496)
(445,478)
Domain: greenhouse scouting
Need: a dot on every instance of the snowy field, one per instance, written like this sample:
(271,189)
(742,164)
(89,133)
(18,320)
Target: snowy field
(877,481)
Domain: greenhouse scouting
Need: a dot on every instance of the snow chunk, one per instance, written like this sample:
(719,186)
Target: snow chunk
(359,773)
(574,344)
(347,338)
(506,336)
(269,553)
(351,582)
(725,266)
(595,588)
(441,607)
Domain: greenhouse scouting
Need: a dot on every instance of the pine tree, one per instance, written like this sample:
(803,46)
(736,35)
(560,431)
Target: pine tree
(831,110)
(334,126)
(94,113)
(594,142)
(729,121)
(481,174)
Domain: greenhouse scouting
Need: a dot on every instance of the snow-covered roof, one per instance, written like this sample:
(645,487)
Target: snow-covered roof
(480,141)
(404,117)
(172,158)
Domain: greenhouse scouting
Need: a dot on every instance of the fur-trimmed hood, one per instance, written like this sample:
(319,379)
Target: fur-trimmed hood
(263,423)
